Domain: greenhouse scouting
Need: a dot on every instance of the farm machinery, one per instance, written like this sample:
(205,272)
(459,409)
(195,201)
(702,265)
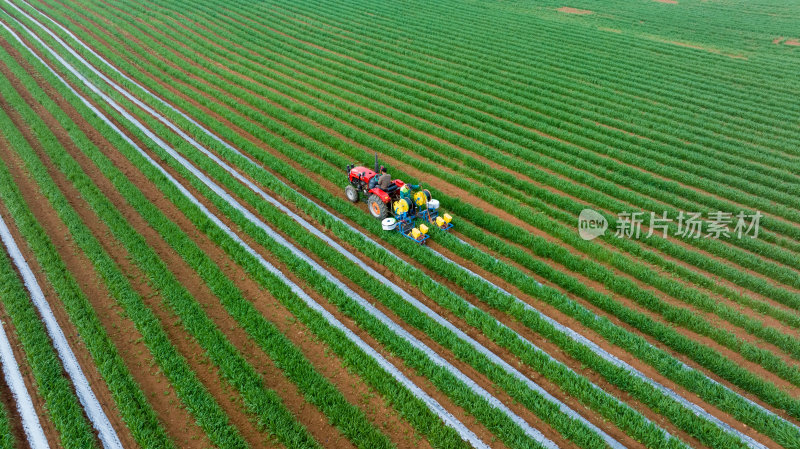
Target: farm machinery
(398,206)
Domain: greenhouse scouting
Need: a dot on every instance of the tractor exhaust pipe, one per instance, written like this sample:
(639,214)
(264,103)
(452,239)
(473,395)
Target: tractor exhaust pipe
(376,163)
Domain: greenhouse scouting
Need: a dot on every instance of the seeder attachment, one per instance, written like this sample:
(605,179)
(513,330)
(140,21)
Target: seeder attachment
(408,230)
(444,222)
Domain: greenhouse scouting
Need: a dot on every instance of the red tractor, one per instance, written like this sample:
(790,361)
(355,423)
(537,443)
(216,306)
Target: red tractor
(389,206)
(363,182)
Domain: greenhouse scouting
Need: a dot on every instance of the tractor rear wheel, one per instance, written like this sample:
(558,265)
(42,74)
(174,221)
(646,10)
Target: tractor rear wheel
(377,207)
(351,193)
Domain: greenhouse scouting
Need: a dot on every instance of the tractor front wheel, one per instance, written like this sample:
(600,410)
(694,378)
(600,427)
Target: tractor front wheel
(377,207)
(351,193)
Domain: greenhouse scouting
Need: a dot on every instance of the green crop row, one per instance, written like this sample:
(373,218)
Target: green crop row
(414,317)
(503,85)
(409,406)
(7,440)
(481,57)
(372,51)
(338,175)
(198,401)
(439,295)
(568,380)
(394,84)
(786,317)
(512,52)
(488,413)
(129,398)
(744,32)
(64,409)
(386,91)
(699,325)
(761,284)
(501,424)
(509,181)
(748,281)
(265,404)
(316,388)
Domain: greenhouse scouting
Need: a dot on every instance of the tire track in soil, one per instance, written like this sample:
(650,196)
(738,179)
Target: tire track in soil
(186,345)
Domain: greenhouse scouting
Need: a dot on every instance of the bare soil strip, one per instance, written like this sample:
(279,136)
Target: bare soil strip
(7,399)
(570,10)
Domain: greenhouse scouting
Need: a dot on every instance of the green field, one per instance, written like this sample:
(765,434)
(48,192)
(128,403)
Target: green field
(173,174)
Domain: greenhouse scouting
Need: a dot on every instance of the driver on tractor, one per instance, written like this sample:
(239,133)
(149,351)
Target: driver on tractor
(385,180)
